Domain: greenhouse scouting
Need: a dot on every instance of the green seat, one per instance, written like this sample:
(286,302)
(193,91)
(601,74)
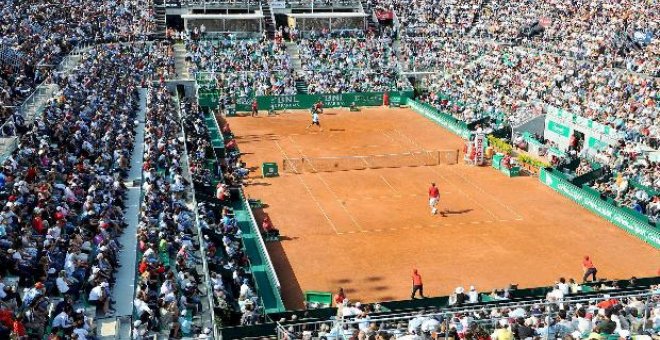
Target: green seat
(587,289)
(486,298)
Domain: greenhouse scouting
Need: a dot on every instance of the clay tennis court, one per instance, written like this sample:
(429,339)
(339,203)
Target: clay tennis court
(365,230)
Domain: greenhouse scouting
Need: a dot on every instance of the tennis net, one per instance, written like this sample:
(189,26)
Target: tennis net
(346,163)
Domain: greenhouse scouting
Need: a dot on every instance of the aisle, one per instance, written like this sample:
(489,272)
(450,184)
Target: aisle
(125,286)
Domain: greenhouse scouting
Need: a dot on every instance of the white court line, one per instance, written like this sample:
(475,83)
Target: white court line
(332,224)
(461,191)
(388,184)
(388,136)
(318,175)
(517,215)
(433,225)
(432,169)
(505,206)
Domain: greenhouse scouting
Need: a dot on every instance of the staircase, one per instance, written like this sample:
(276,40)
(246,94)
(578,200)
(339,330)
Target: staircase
(159,17)
(293,51)
(269,18)
(477,17)
(180,63)
(301,86)
(369,11)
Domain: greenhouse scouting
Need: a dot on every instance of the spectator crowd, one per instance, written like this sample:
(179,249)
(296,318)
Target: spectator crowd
(62,193)
(63,196)
(35,35)
(339,65)
(244,68)
(233,295)
(170,290)
(561,315)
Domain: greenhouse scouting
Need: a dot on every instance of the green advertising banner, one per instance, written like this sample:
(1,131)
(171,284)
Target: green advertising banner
(306,101)
(626,221)
(243,104)
(559,129)
(400,98)
(447,121)
(582,122)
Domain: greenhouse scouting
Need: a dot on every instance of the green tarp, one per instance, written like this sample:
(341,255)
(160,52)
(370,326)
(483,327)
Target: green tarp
(631,223)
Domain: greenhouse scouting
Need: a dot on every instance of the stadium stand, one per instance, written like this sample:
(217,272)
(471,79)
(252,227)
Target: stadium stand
(244,68)
(348,65)
(62,210)
(606,33)
(36,35)
(561,310)
(431,18)
(201,259)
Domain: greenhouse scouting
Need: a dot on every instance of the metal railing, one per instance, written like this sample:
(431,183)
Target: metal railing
(342,328)
(321,4)
(202,249)
(232,4)
(30,107)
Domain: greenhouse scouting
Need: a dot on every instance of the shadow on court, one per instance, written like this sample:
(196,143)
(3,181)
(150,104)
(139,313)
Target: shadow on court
(259,184)
(457,212)
(288,238)
(373,278)
(292,294)
(343,281)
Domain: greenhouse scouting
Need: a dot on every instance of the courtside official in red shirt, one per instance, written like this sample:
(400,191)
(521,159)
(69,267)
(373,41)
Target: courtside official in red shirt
(417,284)
(255,111)
(589,269)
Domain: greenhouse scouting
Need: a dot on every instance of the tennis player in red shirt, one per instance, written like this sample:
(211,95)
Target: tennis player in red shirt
(319,107)
(434,197)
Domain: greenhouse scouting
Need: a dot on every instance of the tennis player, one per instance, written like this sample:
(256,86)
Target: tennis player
(434,197)
(315,119)
(319,107)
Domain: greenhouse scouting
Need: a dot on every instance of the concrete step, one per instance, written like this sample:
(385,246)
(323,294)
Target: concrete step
(294,52)
(180,63)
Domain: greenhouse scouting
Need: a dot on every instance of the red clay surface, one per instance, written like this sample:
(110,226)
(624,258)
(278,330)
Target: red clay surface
(366,230)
